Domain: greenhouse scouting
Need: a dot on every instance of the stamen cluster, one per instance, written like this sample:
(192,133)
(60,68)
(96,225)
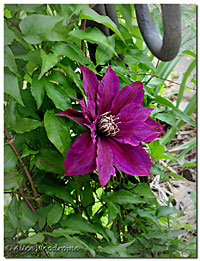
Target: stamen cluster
(107,124)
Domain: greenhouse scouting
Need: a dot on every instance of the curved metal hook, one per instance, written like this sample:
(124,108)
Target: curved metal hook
(167,48)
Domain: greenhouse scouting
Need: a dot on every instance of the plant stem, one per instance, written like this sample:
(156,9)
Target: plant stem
(164,79)
(82,41)
(37,198)
(29,204)
(27,201)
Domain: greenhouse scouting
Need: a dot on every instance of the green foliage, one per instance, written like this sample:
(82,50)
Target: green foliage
(57,131)
(73,216)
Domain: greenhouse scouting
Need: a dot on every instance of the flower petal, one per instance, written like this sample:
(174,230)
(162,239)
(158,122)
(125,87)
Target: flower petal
(75,115)
(90,83)
(131,160)
(104,161)
(133,132)
(134,112)
(81,156)
(92,127)
(107,90)
(156,129)
(132,93)
(89,110)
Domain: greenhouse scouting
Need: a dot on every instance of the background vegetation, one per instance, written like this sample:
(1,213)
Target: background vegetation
(42,78)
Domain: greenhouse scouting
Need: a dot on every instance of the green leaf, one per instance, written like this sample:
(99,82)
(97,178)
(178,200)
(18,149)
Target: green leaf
(26,124)
(124,197)
(80,243)
(26,152)
(13,213)
(9,60)
(103,54)
(30,106)
(189,164)
(93,36)
(50,161)
(54,214)
(142,189)
(10,159)
(57,131)
(111,235)
(156,149)
(27,217)
(187,73)
(87,198)
(129,59)
(63,80)
(48,61)
(56,191)
(11,86)
(141,57)
(185,145)
(12,180)
(74,76)
(42,215)
(9,35)
(9,115)
(9,231)
(102,231)
(36,27)
(58,33)
(119,248)
(150,217)
(125,11)
(77,222)
(176,176)
(188,110)
(113,210)
(31,8)
(58,95)
(193,197)
(33,57)
(59,232)
(167,117)
(72,51)
(178,112)
(90,14)
(188,52)
(180,156)
(38,89)
(37,238)
(165,211)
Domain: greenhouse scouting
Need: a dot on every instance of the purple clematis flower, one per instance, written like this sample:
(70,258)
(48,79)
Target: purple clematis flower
(116,124)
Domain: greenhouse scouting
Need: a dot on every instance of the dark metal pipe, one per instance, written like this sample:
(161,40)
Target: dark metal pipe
(166,49)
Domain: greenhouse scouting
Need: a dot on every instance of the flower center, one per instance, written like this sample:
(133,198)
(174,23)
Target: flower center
(107,124)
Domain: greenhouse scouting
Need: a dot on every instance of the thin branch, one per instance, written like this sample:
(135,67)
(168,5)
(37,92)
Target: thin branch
(73,21)
(116,228)
(27,201)
(153,75)
(37,198)
(164,79)
(29,204)
(82,41)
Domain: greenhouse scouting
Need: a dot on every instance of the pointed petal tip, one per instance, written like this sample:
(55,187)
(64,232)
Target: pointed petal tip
(109,68)
(107,90)
(132,93)
(60,114)
(103,184)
